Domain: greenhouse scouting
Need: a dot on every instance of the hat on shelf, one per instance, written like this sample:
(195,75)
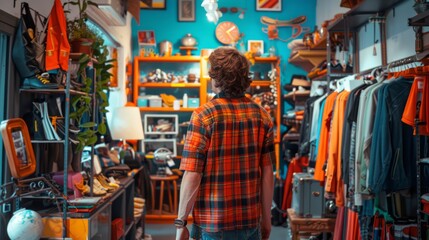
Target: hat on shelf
(298,81)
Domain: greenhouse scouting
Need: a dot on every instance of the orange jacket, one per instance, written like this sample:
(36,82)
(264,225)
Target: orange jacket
(322,152)
(57,43)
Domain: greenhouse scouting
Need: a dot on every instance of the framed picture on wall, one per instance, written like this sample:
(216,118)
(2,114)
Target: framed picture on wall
(256,47)
(268,5)
(146,38)
(153,4)
(186,10)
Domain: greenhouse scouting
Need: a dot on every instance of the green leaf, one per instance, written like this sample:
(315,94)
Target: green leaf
(92,140)
(88,125)
(102,129)
(84,59)
(79,147)
(103,96)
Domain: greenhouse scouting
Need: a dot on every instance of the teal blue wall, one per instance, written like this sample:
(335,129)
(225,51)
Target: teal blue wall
(164,23)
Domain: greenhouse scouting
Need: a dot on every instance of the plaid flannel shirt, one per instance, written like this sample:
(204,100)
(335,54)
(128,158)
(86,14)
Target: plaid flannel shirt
(229,141)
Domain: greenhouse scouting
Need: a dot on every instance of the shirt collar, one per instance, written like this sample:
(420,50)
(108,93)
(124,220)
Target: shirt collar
(222,95)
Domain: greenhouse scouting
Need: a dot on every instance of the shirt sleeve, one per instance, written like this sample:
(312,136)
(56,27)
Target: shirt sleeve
(196,145)
(268,147)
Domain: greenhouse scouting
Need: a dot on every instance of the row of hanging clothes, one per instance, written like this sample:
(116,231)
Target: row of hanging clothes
(361,140)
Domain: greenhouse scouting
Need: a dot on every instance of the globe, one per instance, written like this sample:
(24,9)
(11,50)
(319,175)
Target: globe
(25,224)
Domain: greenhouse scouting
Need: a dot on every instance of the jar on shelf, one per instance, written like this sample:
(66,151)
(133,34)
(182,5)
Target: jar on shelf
(189,41)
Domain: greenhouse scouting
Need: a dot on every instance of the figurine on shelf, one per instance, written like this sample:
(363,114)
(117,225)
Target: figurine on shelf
(272,74)
(157,76)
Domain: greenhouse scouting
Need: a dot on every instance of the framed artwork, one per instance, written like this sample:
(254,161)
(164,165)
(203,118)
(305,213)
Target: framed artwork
(268,5)
(146,38)
(256,47)
(186,10)
(153,4)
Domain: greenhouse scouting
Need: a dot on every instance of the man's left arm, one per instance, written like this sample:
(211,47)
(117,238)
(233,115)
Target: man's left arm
(267,198)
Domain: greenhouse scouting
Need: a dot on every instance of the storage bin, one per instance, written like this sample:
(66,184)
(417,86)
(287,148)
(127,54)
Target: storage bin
(307,196)
(155,102)
(142,102)
(193,102)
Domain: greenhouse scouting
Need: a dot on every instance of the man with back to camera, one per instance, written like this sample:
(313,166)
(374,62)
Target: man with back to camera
(227,159)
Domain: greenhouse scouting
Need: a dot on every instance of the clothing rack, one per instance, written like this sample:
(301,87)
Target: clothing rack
(402,62)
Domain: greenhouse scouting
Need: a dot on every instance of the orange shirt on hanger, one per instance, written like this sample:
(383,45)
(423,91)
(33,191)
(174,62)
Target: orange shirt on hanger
(334,182)
(419,93)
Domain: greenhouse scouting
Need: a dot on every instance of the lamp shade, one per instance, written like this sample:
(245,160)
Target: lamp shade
(126,124)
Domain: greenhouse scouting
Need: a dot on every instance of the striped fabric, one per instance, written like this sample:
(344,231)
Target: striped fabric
(229,140)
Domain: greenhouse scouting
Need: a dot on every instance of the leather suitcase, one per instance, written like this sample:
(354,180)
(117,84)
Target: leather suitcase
(307,196)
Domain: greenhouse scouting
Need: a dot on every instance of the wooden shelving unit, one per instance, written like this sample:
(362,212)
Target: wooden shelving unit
(308,59)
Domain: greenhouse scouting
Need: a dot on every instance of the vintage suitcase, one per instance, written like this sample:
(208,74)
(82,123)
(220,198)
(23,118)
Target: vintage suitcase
(307,196)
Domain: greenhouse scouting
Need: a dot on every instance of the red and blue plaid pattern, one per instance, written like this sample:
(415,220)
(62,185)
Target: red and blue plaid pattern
(229,141)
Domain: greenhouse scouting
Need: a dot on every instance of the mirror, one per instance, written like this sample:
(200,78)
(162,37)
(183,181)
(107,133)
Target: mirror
(19,150)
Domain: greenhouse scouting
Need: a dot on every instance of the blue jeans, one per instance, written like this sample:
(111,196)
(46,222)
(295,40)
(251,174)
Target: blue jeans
(242,234)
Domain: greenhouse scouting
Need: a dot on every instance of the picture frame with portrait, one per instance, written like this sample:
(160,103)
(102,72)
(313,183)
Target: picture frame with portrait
(19,150)
(186,10)
(256,47)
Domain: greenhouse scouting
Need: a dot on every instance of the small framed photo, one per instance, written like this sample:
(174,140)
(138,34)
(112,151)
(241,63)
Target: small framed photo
(186,11)
(146,38)
(153,4)
(256,47)
(268,5)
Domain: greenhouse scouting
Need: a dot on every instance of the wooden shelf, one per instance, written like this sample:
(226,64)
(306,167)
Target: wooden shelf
(179,59)
(170,85)
(261,83)
(165,109)
(297,94)
(361,13)
(421,19)
(266,59)
(308,59)
(54,91)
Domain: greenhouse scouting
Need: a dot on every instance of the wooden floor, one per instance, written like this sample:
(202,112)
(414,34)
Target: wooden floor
(168,232)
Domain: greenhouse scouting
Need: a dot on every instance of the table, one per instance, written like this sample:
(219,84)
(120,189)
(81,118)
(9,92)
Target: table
(308,225)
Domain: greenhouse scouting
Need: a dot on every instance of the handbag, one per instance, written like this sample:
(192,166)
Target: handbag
(28,52)
(23,54)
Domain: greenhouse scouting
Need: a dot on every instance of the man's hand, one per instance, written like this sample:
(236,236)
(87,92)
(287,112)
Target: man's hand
(265,229)
(182,233)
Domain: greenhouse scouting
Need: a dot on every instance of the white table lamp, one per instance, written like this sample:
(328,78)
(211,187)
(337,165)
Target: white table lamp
(126,124)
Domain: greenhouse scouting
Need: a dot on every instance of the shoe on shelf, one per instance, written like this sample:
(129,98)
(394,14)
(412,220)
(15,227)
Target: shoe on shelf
(98,185)
(38,82)
(104,184)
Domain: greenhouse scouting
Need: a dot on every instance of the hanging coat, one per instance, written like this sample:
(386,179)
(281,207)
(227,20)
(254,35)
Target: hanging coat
(57,44)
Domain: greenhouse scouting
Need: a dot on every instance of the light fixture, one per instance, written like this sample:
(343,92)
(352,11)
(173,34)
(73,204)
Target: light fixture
(126,124)
(212,12)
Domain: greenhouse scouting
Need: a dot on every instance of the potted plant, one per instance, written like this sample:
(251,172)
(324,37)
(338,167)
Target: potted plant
(81,37)
(82,105)
(93,49)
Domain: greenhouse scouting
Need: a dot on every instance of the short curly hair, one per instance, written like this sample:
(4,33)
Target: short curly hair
(230,69)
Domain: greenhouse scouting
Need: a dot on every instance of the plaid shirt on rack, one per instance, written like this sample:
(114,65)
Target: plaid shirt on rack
(229,141)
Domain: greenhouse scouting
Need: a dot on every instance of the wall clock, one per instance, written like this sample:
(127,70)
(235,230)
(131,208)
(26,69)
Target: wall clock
(227,32)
